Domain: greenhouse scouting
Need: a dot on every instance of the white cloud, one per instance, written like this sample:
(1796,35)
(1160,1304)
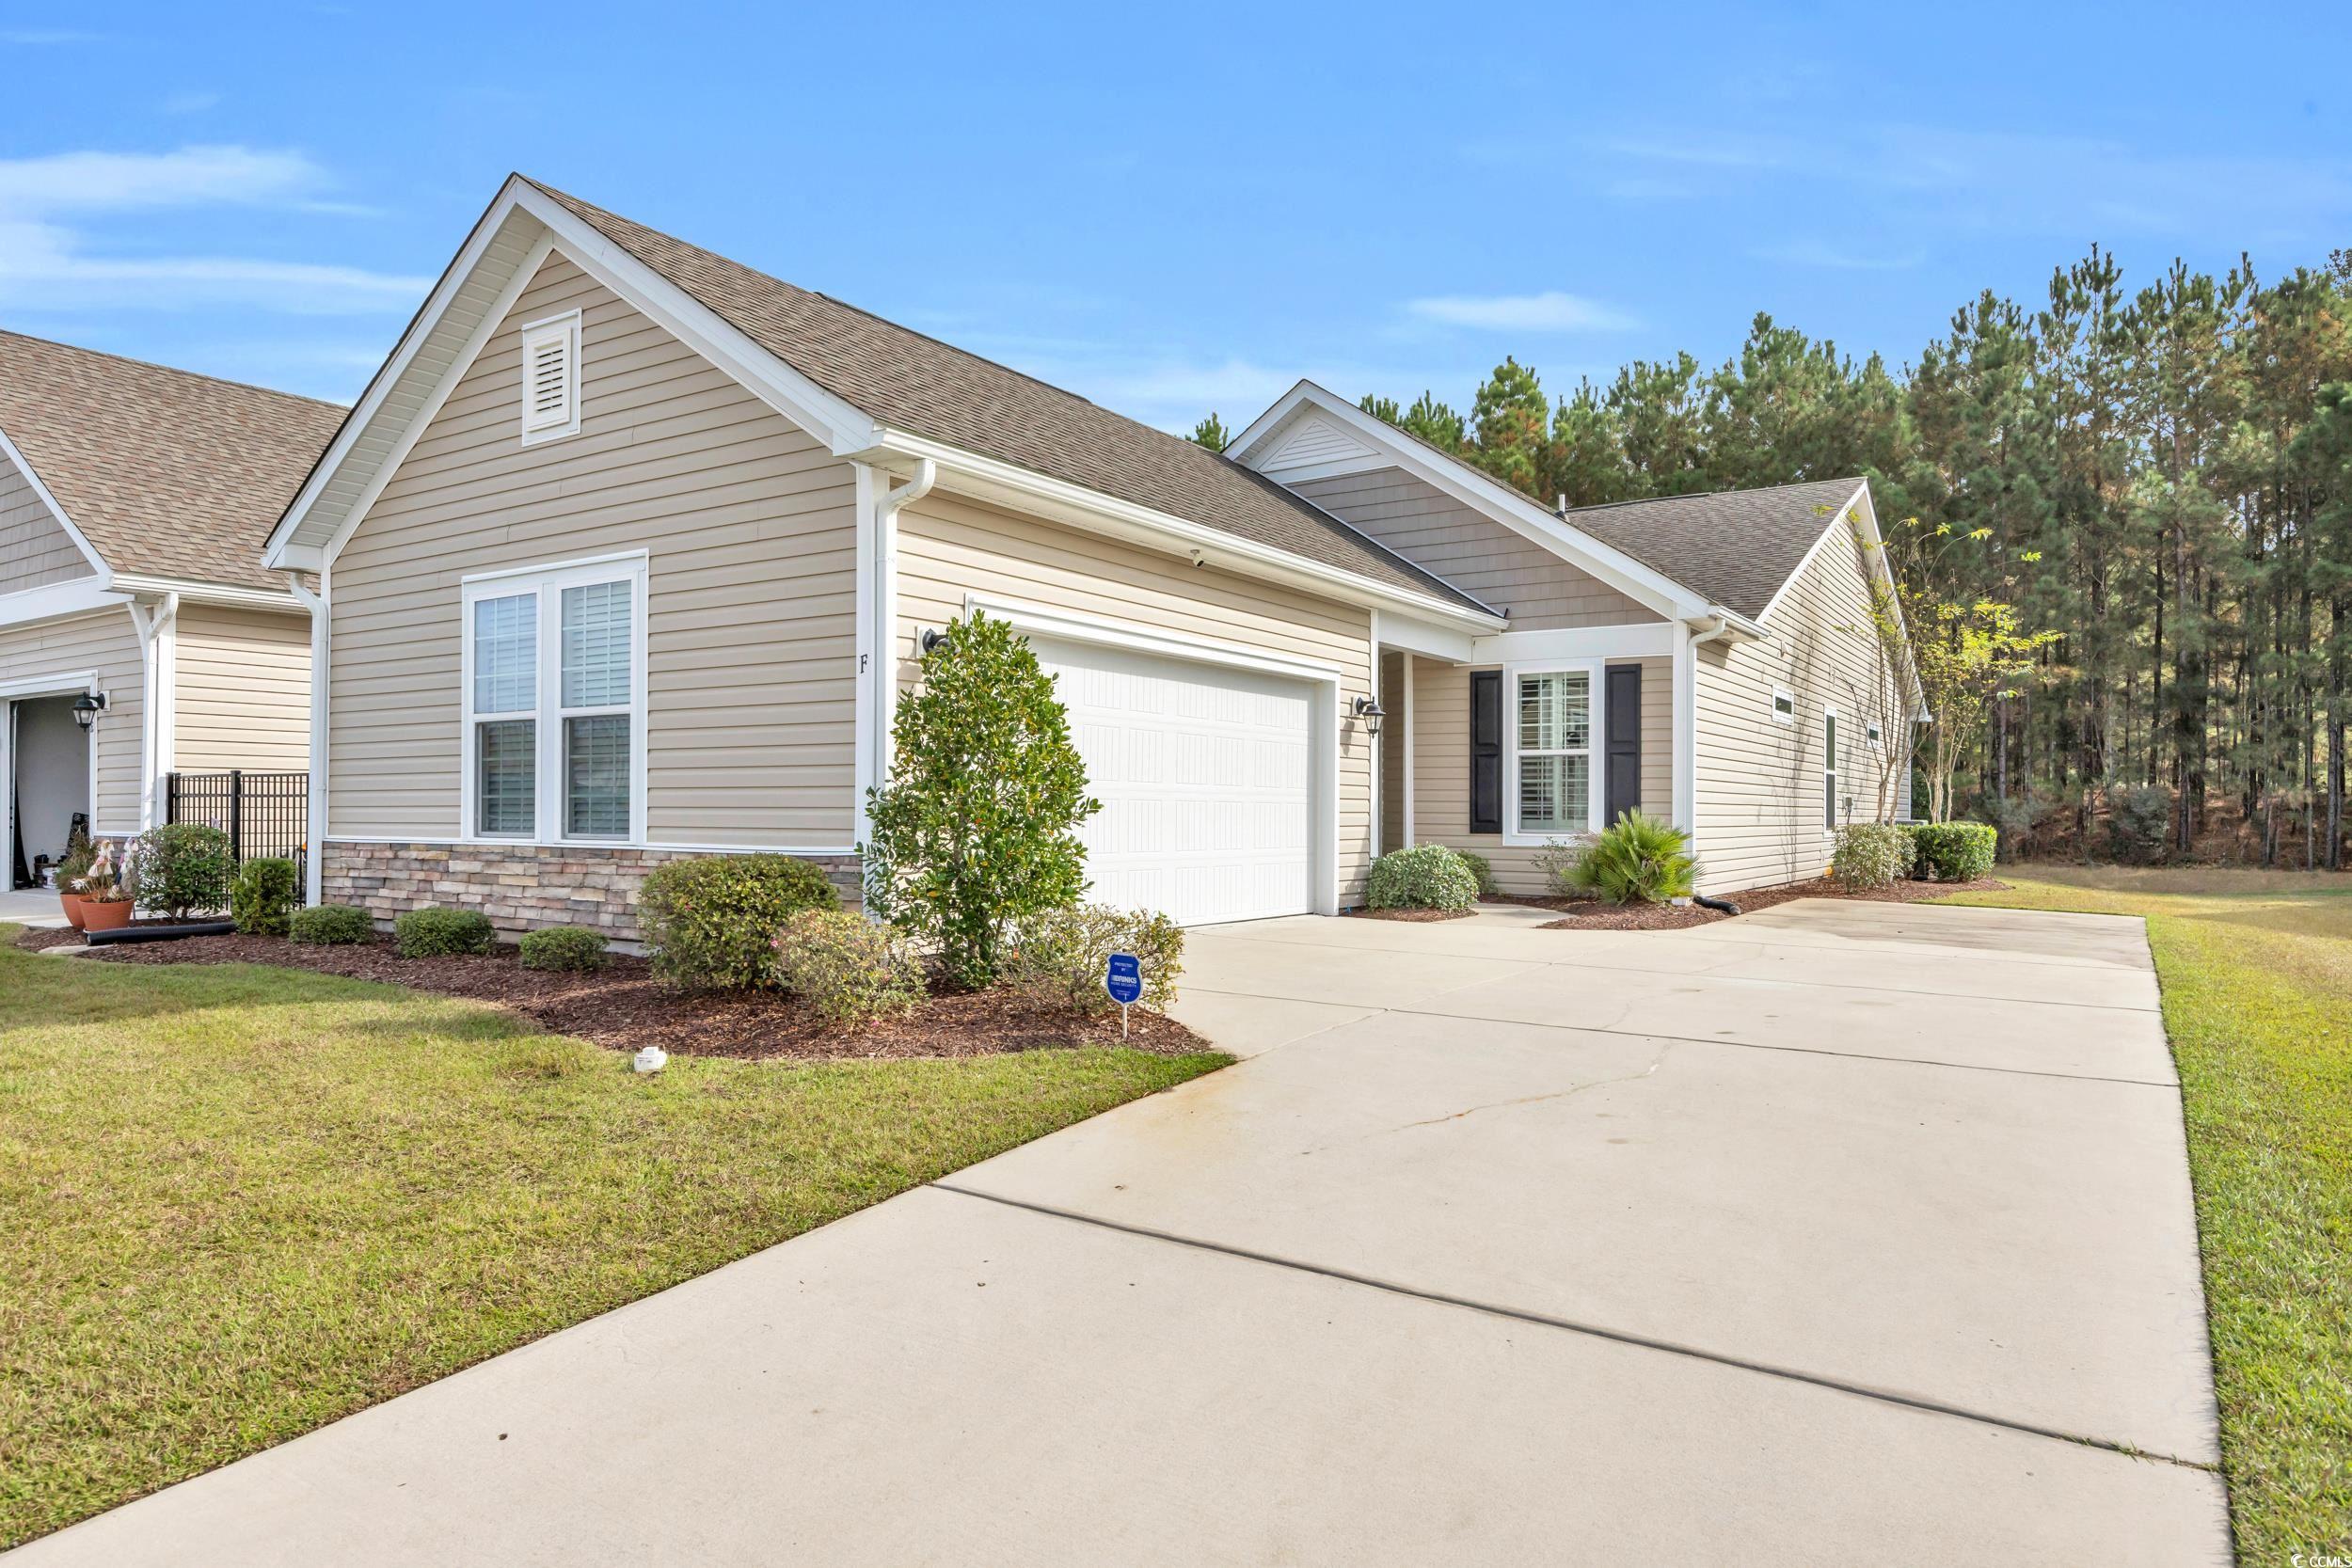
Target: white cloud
(191,103)
(36,38)
(1817,253)
(1550,311)
(49,262)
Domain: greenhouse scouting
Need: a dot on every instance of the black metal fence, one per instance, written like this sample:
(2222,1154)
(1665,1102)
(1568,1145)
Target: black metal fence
(265,815)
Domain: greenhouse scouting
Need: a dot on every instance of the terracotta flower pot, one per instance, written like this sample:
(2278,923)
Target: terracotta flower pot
(109,916)
(71,904)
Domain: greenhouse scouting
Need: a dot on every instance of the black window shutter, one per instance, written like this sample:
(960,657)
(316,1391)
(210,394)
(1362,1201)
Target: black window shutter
(1485,780)
(1624,740)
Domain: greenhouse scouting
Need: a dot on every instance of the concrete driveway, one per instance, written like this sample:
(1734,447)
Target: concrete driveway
(1837,1233)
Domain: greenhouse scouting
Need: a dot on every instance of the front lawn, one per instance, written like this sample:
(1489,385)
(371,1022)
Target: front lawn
(237,1202)
(2257,975)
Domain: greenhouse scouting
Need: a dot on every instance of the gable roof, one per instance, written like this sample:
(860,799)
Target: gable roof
(164,472)
(1739,547)
(903,379)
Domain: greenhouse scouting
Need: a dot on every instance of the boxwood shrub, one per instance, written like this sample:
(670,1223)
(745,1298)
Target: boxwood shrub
(566,947)
(331,924)
(261,900)
(433,933)
(1425,876)
(1953,851)
(711,922)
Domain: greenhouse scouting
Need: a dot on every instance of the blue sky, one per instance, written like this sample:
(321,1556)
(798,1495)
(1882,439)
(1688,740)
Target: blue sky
(1168,210)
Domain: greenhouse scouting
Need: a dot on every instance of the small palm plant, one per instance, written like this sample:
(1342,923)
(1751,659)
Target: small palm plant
(1636,859)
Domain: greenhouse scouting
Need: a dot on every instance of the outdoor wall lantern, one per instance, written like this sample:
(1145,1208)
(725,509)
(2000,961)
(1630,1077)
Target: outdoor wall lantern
(1368,711)
(87,706)
(931,637)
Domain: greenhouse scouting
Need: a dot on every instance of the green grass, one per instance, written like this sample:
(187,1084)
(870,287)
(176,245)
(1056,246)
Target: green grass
(238,1202)
(2257,975)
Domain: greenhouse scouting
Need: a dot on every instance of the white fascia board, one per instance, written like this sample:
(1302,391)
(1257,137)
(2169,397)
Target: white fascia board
(195,591)
(1643,584)
(1412,634)
(76,597)
(81,541)
(1638,639)
(1005,484)
(842,427)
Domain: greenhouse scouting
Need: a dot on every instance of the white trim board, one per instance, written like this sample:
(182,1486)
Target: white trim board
(435,841)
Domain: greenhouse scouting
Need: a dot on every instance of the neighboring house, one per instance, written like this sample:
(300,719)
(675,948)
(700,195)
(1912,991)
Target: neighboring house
(627,551)
(130,499)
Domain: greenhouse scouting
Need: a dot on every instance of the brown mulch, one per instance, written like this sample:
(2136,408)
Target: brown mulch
(1418,917)
(1589,915)
(625,1007)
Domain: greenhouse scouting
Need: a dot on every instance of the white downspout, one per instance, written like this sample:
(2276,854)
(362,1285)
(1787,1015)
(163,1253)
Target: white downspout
(154,623)
(316,602)
(884,674)
(1686,722)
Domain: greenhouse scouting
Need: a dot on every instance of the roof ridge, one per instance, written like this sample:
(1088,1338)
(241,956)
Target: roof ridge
(1699,495)
(172,370)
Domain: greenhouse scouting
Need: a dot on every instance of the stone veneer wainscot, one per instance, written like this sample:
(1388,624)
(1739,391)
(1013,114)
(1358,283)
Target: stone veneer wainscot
(522,887)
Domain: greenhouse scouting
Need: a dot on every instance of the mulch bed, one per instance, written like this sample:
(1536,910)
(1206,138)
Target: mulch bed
(1589,915)
(625,1007)
(1418,917)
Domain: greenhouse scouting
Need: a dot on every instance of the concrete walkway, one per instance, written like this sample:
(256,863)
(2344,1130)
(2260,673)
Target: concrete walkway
(1838,1233)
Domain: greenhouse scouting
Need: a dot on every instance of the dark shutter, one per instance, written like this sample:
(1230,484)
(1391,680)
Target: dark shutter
(1624,710)
(1485,780)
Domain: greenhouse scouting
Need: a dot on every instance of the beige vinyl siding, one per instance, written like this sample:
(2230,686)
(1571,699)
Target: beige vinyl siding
(101,641)
(1759,783)
(242,693)
(1440,728)
(1505,570)
(749,526)
(949,548)
(35,548)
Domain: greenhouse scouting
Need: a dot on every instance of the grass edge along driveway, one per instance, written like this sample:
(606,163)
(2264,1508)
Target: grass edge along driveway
(2256,970)
(239,1202)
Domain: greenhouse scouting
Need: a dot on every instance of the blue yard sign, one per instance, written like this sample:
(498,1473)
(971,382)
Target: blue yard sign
(1125,984)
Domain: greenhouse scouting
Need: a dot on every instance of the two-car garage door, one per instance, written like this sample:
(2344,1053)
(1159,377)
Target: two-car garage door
(1206,775)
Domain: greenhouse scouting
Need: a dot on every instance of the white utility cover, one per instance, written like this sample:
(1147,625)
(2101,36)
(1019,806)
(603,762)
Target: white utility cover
(1205,774)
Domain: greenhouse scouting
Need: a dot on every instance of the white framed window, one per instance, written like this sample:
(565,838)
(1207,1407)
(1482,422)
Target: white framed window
(1551,782)
(554,674)
(1784,706)
(1829,768)
(551,378)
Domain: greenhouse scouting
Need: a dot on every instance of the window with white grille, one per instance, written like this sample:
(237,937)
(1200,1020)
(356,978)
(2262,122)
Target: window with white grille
(555,703)
(551,378)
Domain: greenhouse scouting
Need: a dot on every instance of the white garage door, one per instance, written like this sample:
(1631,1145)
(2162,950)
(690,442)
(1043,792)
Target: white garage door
(1205,776)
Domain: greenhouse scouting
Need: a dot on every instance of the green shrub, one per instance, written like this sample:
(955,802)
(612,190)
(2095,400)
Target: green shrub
(263,897)
(2019,818)
(431,933)
(566,947)
(977,826)
(845,968)
(1557,862)
(182,868)
(1426,876)
(711,923)
(1061,957)
(1871,854)
(1637,859)
(331,924)
(1952,851)
(1482,868)
(2139,823)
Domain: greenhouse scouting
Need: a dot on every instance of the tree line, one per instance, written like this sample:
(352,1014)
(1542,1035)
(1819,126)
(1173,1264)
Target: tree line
(2156,482)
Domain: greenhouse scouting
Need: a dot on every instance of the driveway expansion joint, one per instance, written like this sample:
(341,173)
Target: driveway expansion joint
(1594,1331)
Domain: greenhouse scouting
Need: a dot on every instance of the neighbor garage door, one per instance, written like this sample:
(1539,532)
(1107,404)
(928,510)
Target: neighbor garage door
(1205,774)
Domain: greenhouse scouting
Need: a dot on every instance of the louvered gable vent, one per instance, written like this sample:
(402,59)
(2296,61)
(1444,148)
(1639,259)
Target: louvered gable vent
(552,378)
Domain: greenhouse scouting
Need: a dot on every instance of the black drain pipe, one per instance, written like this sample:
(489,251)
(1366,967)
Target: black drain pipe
(1723,906)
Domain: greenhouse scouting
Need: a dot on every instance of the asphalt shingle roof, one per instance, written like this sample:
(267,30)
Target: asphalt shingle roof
(1736,547)
(163,471)
(917,384)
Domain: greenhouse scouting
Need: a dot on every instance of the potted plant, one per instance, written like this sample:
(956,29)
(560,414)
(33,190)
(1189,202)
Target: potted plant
(71,871)
(107,899)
